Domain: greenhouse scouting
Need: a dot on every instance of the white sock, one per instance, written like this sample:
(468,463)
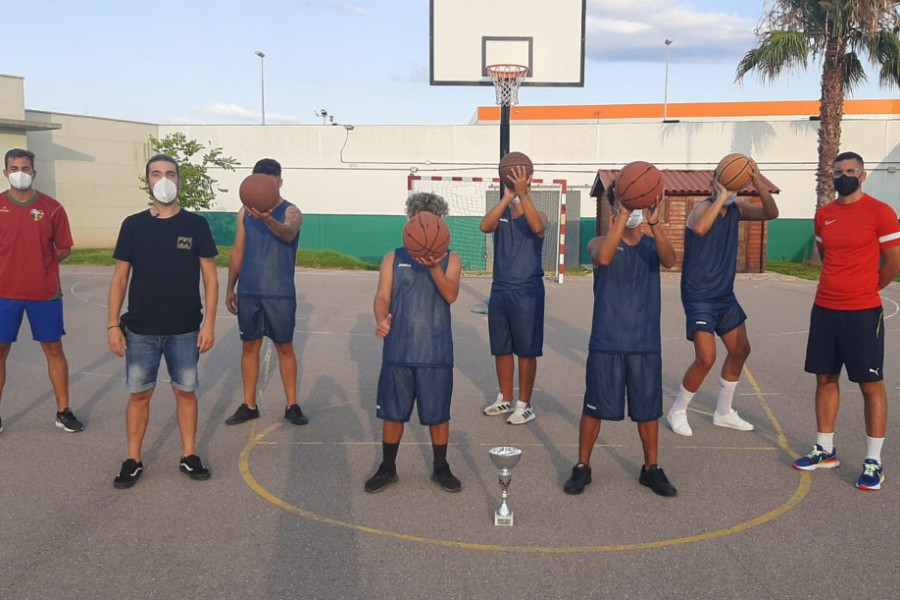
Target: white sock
(873,448)
(682,400)
(826,440)
(726,395)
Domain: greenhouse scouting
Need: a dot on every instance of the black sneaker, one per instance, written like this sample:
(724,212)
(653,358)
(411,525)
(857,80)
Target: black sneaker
(129,473)
(581,476)
(447,480)
(293,414)
(193,468)
(243,414)
(656,480)
(382,478)
(66,421)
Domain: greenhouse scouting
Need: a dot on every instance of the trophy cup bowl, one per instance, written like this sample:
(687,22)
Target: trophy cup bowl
(504,458)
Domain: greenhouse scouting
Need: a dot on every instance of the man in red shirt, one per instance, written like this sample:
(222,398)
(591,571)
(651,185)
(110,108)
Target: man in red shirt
(34,238)
(858,238)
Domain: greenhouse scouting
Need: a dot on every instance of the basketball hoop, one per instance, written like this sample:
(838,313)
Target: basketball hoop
(507,79)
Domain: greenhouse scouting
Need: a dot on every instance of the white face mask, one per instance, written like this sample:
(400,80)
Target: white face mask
(634,219)
(165,191)
(20,180)
(731,199)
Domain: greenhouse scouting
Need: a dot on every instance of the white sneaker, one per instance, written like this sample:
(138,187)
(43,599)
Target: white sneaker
(521,415)
(678,422)
(499,407)
(732,420)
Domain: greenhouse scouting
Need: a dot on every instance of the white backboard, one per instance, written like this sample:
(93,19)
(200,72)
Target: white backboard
(547,36)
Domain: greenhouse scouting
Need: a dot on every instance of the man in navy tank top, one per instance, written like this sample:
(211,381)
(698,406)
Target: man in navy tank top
(262,265)
(624,352)
(412,316)
(710,306)
(516,305)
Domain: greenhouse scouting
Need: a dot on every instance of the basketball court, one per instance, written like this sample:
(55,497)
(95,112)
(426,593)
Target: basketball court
(285,515)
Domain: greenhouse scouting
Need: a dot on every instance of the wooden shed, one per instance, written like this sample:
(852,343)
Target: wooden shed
(684,188)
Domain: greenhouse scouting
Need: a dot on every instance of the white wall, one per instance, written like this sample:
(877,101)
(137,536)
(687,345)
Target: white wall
(92,165)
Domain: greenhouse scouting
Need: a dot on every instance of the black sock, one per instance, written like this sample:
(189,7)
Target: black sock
(389,454)
(440,456)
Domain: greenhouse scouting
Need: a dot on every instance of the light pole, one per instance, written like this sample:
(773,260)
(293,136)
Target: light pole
(262,81)
(666,90)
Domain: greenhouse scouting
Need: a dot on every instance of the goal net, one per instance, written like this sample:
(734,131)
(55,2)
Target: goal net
(469,198)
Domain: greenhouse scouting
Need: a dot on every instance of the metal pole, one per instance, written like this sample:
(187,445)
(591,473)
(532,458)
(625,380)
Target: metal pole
(504,137)
(666,90)
(262,82)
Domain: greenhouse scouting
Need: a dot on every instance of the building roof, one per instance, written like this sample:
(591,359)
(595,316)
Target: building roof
(678,182)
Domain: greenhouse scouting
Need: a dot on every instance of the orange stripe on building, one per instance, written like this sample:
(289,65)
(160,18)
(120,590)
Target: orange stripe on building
(589,112)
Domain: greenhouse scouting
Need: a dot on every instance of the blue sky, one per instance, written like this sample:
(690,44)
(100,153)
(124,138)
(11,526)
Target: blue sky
(364,61)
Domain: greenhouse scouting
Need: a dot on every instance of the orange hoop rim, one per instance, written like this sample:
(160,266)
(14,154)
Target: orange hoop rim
(507,71)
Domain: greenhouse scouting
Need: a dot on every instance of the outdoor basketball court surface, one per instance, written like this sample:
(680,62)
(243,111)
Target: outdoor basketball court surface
(285,515)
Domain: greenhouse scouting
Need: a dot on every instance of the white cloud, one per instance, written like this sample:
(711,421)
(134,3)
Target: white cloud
(624,30)
(241,114)
(418,73)
(348,8)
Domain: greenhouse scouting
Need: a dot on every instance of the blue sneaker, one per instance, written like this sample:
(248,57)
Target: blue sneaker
(818,459)
(872,475)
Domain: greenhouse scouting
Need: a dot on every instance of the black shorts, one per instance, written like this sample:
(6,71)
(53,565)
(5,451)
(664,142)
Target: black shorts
(608,376)
(853,338)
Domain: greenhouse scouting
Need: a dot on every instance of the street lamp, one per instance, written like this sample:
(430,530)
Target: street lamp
(262,81)
(666,90)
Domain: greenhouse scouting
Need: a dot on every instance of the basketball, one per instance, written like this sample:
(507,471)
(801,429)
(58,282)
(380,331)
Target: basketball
(260,192)
(426,234)
(638,185)
(734,172)
(511,161)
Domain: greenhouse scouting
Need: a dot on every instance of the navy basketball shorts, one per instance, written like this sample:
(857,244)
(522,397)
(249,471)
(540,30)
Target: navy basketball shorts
(516,322)
(274,318)
(718,318)
(609,376)
(429,388)
(852,338)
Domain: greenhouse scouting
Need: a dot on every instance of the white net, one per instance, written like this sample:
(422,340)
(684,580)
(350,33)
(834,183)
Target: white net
(507,79)
(469,200)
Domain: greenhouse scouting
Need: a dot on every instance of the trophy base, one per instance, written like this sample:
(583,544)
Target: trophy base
(504,520)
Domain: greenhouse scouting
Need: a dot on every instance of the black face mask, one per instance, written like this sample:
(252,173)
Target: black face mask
(846,185)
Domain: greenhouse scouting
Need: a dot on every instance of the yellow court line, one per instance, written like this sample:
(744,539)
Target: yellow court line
(802,490)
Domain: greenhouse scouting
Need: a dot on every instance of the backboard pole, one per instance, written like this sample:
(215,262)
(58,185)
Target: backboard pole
(504,137)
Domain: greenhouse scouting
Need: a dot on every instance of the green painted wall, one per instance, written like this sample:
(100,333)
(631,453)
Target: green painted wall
(790,240)
(366,237)
(370,237)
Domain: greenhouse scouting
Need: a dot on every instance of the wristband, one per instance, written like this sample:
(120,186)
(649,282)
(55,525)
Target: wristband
(652,224)
(111,326)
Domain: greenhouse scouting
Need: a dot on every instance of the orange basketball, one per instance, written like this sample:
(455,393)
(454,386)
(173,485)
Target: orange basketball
(734,171)
(638,185)
(260,192)
(426,234)
(511,161)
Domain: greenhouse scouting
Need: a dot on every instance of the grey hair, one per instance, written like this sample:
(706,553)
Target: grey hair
(425,201)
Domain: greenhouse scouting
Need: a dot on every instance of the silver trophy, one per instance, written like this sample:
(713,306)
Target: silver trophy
(504,458)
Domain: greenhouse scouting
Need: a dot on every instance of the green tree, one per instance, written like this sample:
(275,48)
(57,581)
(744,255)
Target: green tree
(833,34)
(198,188)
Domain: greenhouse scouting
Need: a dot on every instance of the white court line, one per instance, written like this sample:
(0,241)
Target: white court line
(74,292)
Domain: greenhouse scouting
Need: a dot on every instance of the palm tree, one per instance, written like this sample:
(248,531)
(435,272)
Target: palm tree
(834,33)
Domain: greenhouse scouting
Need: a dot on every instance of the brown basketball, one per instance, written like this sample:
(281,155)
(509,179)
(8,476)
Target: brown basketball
(734,171)
(512,160)
(426,234)
(638,185)
(260,192)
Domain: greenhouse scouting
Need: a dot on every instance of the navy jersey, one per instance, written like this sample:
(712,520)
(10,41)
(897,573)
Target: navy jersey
(517,254)
(267,270)
(420,334)
(627,301)
(710,261)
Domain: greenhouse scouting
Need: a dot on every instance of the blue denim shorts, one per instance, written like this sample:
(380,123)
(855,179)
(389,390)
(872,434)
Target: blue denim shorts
(44,316)
(142,356)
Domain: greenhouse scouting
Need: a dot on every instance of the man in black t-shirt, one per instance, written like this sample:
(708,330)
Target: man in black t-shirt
(165,250)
